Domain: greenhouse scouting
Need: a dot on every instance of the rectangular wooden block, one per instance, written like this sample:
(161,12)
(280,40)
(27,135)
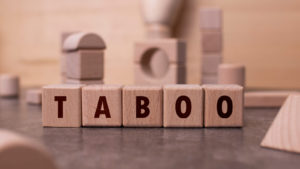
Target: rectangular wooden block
(176,74)
(183,106)
(266,98)
(85,82)
(209,79)
(61,105)
(85,64)
(223,106)
(142,106)
(211,62)
(102,105)
(212,41)
(211,18)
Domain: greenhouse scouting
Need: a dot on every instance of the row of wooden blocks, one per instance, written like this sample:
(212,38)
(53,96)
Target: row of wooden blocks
(68,105)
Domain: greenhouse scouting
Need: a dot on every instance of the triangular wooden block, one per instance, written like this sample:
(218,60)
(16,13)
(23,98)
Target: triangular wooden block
(284,133)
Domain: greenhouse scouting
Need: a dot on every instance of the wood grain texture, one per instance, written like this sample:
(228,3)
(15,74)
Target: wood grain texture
(283,133)
(39,23)
(188,94)
(85,64)
(232,74)
(34,96)
(111,95)
(71,105)
(155,106)
(266,98)
(9,85)
(18,152)
(212,95)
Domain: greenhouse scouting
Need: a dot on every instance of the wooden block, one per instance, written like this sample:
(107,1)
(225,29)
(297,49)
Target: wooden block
(176,74)
(9,85)
(223,106)
(85,64)
(83,40)
(61,105)
(34,96)
(142,106)
(183,106)
(102,105)
(18,152)
(231,74)
(266,98)
(283,133)
(211,41)
(175,50)
(84,82)
(211,62)
(209,79)
(211,18)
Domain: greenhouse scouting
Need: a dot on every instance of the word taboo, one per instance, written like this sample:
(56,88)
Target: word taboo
(143,106)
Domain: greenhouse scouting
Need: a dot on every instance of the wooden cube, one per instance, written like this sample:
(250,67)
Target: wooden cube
(61,105)
(211,18)
(34,96)
(142,106)
(160,61)
(85,82)
(85,64)
(211,62)
(102,105)
(211,41)
(223,105)
(183,106)
(209,79)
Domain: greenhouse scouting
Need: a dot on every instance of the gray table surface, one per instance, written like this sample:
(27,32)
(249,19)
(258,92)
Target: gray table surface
(152,148)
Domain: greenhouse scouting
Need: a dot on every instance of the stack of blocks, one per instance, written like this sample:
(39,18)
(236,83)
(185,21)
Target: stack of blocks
(173,49)
(211,29)
(71,105)
(84,58)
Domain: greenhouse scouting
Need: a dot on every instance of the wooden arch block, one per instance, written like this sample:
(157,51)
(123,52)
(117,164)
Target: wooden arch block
(18,152)
(83,40)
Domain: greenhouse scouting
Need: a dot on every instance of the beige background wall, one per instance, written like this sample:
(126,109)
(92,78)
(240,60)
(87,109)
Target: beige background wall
(264,35)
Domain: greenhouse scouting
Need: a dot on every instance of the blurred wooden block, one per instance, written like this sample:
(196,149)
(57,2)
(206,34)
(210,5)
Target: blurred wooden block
(266,98)
(283,133)
(211,18)
(102,105)
(171,72)
(34,96)
(176,74)
(211,62)
(61,105)
(209,79)
(183,106)
(223,106)
(18,152)
(9,85)
(142,106)
(232,74)
(211,41)
(83,40)
(84,82)
(85,64)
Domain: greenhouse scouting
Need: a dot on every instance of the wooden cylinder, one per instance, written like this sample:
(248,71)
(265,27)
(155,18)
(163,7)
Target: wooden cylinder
(231,74)
(9,85)
(17,152)
(34,96)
